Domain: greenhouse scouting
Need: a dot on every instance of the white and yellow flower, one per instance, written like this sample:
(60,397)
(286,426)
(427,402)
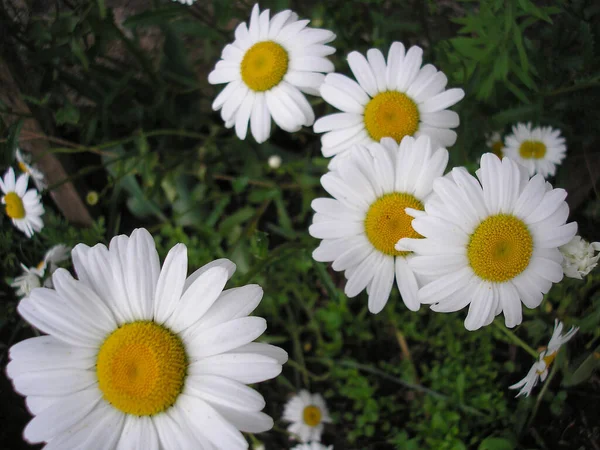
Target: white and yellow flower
(491,242)
(313,446)
(366,218)
(23,206)
(539,370)
(33,277)
(540,149)
(36,175)
(495,144)
(394,99)
(579,257)
(267,68)
(142,357)
(307,413)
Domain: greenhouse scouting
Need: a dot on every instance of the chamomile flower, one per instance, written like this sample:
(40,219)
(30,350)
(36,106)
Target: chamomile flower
(394,99)
(268,66)
(491,242)
(307,413)
(312,446)
(29,280)
(23,206)
(36,175)
(495,144)
(142,357)
(540,149)
(362,224)
(579,257)
(539,370)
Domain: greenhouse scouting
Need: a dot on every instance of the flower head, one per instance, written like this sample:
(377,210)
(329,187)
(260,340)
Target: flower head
(361,225)
(274,162)
(307,413)
(312,446)
(540,149)
(30,279)
(539,370)
(268,66)
(392,99)
(24,207)
(491,242)
(36,175)
(579,257)
(495,144)
(139,356)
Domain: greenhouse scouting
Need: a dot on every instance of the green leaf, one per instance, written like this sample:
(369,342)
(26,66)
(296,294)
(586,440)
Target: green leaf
(67,114)
(518,40)
(153,17)
(585,370)
(495,443)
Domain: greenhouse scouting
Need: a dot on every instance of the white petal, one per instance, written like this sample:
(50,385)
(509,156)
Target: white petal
(170,283)
(381,286)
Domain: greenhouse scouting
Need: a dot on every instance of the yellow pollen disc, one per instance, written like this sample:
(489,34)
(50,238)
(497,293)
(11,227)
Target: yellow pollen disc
(14,206)
(23,167)
(500,248)
(497,149)
(391,114)
(312,416)
(141,368)
(386,222)
(264,66)
(532,150)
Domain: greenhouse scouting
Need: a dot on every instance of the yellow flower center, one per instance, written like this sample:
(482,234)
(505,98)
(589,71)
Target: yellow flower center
(500,248)
(23,167)
(312,416)
(141,368)
(497,149)
(532,150)
(264,66)
(14,206)
(386,222)
(391,114)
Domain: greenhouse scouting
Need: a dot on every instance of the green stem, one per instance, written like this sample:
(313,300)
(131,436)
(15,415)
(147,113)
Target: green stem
(515,339)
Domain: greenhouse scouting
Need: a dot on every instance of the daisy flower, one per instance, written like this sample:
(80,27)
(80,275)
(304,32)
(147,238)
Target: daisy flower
(36,175)
(268,66)
(185,2)
(540,149)
(30,279)
(579,257)
(394,99)
(312,446)
(539,370)
(142,357)
(363,222)
(307,413)
(495,144)
(23,206)
(491,242)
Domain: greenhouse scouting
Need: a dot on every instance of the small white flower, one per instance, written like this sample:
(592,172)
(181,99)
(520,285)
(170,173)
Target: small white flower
(312,446)
(540,149)
(539,370)
(36,175)
(391,99)
(31,278)
(23,206)
(307,413)
(139,356)
(490,242)
(185,2)
(274,162)
(267,68)
(363,222)
(579,257)
(55,256)
(495,144)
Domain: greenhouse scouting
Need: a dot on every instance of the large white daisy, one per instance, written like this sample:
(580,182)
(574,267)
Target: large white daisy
(23,206)
(490,244)
(539,370)
(268,66)
(367,217)
(142,357)
(540,149)
(307,413)
(394,99)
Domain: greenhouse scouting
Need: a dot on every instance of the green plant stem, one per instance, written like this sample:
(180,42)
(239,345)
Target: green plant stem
(515,339)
